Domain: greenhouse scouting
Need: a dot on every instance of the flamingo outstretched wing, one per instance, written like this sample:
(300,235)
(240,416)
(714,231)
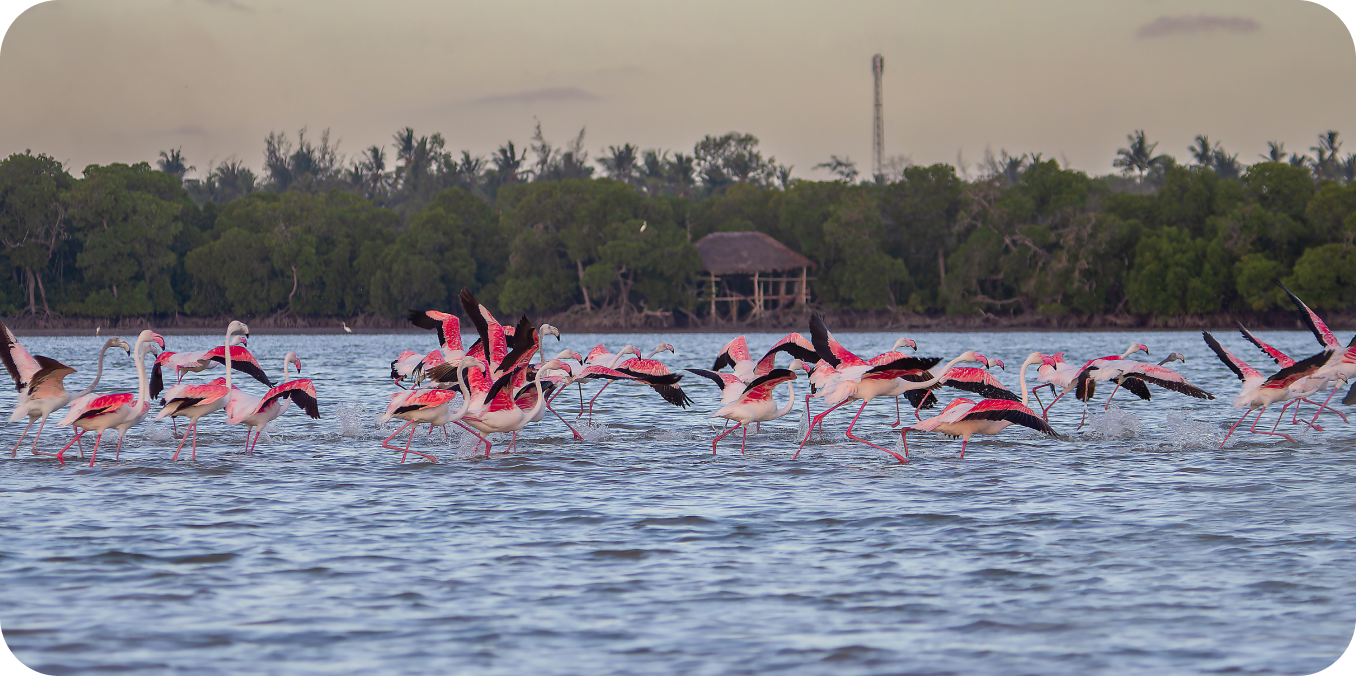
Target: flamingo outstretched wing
(241,360)
(417,400)
(1013,412)
(47,381)
(735,351)
(1238,366)
(722,380)
(1316,326)
(1276,355)
(301,391)
(20,364)
(1165,378)
(794,344)
(978,381)
(905,363)
(761,388)
(524,345)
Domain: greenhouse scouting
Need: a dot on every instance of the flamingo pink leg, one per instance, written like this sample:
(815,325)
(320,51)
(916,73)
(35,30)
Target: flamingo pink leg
(37,436)
(1107,407)
(95,453)
(13,452)
(387,442)
(1273,433)
(1231,429)
(181,443)
(1036,392)
(854,422)
(118,453)
(513,441)
(898,421)
(744,440)
(1320,410)
(595,398)
(1045,412)
(577,436)
(904,439)
(817,420)
(722,435)
(964,441)
(194,453)
(62,452)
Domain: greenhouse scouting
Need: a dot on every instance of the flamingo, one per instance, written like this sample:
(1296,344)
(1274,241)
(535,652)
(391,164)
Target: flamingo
(40,383)
(654,373)
(185,362)
(755,404)
(257,412)
(847,377)
(118,411)
(1259,392)
(732,385)
(497,412)
(1134,375)
(416,407)
(1302,387)
(1341,366)
(524,393)
(195,401)
(1059,375)
(403,366)
(968,378)
(449,350)
(964,418)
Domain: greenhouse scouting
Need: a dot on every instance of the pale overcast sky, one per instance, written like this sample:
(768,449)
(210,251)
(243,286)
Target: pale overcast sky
(120,80)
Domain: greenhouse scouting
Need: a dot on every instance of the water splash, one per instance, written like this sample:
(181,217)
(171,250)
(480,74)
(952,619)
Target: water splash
(157,432)
(803,425)
(466,444)
(1185,433)
(350,419)
(595,432)
(1114,424)
(670,435)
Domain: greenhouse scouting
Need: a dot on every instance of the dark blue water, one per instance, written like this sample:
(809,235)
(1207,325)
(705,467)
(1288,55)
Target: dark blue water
(1134,547)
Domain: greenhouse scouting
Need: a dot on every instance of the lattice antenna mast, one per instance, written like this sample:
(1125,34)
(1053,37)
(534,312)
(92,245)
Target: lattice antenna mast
(878,128)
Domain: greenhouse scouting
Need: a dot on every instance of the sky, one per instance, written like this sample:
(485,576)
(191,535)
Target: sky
(121,80)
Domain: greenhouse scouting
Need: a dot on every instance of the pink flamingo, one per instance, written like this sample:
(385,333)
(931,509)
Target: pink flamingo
(1069,383)
(964,418)
(1135,376)
(186,362)
(118,411)
(755,404)
(1340,368)
(1302,387)
(195,401)
(968,378)
(851,378)
(417,407)
(257,412)
(496,411)
(1258,391)
(41,384)
(647,370)
(524,394)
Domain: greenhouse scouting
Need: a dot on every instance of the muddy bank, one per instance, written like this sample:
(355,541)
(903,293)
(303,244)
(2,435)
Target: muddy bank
(579,321)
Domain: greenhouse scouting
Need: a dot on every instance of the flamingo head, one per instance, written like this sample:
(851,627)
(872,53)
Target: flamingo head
(242,340)
(629,349)
(905,342)
(149,336)
(1136,347)
(293,359)
(660,348)
(545,329)
(118,342)
(999,364)
(977,357)
(1175,356)
(470,362)
(238,327)
(570,354)
(554,365)
(1047,360)
(795,365)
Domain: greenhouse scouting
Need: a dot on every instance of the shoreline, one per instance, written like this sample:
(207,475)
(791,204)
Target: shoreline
(580,322)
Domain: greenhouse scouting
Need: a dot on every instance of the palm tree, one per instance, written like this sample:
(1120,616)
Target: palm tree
(620,162)
(1275,152)
(843,167)
(507,162)
(1139,157)
(1325,156)
(173,162)
(1226,165)
(1348,168)
(1202,151)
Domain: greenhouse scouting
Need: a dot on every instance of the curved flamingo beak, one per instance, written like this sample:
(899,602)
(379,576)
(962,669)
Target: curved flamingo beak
(999,363)
(159,340)
(1047,360)
(983,360)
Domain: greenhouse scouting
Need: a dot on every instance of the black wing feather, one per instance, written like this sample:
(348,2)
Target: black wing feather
(710,375)
(524,340)
(157,381)
(1222,354)
(1305,317)
(247,368)
(819,337)
(982,389)
(1015,417)
(908,364)
(1136,387)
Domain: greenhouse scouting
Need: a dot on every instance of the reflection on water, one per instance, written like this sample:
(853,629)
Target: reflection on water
(1135,546)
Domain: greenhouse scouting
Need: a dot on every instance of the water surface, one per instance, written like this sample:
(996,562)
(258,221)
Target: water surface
(1134,547)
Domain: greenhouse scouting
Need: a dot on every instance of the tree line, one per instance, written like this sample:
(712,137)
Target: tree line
(544,229)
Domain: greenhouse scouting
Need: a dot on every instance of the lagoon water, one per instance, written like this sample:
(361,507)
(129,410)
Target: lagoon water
(1134,547)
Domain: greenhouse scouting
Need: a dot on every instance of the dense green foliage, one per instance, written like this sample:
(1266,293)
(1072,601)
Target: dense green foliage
(312,237)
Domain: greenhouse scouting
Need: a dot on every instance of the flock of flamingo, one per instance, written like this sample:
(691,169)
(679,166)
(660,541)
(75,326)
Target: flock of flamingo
(502,390)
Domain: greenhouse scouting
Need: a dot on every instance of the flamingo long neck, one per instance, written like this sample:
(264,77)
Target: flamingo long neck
(623,353)
(790,401)
(465,398)
(654,352)
(935,379)
(97,374)
(1021,381)
(286,361)
(541,400)
(143,386)
(228,359)
(1129,351)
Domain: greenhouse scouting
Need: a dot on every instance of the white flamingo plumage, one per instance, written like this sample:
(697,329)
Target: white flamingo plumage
(755,403)
(195,401)
(1258,391)
(964,418)
(256,412)
(119,411)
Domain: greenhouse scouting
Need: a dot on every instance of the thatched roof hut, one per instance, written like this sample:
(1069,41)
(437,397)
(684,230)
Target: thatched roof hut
(753,262)
(747,253)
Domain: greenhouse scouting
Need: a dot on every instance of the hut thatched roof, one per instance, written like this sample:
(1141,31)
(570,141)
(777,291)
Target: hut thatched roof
(744,253)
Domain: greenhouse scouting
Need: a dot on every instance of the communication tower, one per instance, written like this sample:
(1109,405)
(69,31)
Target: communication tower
(878,128)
